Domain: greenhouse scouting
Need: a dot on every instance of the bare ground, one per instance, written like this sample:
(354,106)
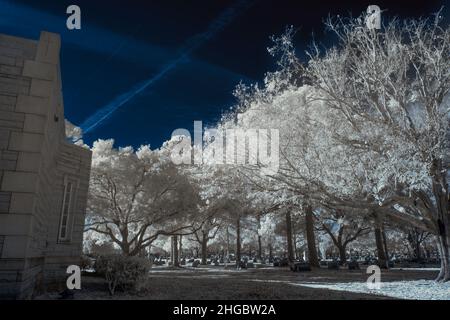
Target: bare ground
(229,284)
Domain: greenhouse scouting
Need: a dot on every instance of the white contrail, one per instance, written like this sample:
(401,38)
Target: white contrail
(193,43)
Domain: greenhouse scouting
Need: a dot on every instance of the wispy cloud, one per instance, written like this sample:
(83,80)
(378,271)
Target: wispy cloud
(192,44)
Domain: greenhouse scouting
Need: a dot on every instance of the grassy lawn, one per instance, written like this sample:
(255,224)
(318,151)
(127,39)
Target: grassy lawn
(229,284)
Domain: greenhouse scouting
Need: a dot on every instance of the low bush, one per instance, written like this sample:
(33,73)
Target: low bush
(86,262)
(122,272)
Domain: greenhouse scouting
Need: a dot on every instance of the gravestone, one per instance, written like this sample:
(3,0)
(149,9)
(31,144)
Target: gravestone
(333,265)
(300,266)
(353,265)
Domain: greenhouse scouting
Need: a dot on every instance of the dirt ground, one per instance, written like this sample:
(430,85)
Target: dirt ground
(229,284)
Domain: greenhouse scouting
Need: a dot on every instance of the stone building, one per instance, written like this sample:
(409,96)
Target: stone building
(43,177)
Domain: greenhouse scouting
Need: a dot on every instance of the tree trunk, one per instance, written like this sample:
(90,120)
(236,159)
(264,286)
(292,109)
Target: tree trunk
(238,241)
(417,251)
(259,254)
(385,246)
(442,196)
(444,253)
(175,260)
(270,251)
(204,248)
(125,245)
(196,252)
(342,254)
(290,249)
(414,240)
(382,261)
(181,248)
(294,241)
(310,238)
(259,248)
(228,245)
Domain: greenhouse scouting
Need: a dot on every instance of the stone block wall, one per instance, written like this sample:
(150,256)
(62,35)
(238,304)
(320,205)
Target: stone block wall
(35,163)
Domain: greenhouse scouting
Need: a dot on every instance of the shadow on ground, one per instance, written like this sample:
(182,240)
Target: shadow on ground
(230,284)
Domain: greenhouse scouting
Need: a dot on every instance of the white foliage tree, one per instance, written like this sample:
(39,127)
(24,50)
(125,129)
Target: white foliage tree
(136,196)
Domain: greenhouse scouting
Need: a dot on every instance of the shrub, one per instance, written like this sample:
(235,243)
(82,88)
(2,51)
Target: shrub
(86,262)
(103,249)
(121,271)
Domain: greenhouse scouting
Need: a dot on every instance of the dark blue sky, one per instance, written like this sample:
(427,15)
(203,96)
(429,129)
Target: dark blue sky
(125,43)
